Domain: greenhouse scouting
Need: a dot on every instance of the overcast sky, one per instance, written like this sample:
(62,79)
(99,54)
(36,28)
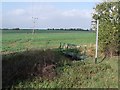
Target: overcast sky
(49,14)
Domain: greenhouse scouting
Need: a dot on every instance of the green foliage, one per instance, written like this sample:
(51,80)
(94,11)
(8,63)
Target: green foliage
(28,64)
(79,75)
(19,71)
(109,17)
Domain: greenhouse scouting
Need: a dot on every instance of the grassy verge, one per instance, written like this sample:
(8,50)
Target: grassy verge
(19,71)
(78,75)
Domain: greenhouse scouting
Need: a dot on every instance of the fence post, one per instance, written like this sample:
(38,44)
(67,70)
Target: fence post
(96,52)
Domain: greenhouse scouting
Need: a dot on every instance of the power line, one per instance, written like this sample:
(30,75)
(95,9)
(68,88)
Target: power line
(34,19)
(34,22)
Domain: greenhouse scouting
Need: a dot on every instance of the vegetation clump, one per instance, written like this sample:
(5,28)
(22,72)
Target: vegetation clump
(51,69)
(108,14)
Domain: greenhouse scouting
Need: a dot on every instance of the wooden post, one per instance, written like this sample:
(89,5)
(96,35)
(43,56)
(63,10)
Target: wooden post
(96,52)
(60,45)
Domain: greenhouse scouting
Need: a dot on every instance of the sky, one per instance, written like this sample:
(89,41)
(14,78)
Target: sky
(49,14)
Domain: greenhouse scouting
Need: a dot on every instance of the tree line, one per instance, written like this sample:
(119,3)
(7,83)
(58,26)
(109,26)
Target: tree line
(11,29)
(69,29)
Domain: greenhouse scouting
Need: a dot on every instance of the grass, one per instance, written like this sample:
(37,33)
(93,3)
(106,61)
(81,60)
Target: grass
(31,64)
(69,73)
(13,41)
(79,75)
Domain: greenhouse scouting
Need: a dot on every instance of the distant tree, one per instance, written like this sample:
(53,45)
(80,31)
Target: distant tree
(61,29)
(87,30)
(5,29)
(16,29)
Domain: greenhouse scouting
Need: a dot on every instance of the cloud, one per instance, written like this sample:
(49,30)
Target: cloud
(77,12)
(71,13)
(17,12)
(48,17)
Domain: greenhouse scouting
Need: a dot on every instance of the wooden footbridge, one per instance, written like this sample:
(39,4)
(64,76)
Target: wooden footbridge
(76,52)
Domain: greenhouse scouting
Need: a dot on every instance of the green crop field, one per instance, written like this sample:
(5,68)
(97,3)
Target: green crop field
(14,40)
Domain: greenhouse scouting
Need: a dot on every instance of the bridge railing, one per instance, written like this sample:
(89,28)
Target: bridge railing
(72,50)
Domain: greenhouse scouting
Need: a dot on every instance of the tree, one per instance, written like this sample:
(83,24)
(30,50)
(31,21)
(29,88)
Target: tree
(16,28)
(108,14)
